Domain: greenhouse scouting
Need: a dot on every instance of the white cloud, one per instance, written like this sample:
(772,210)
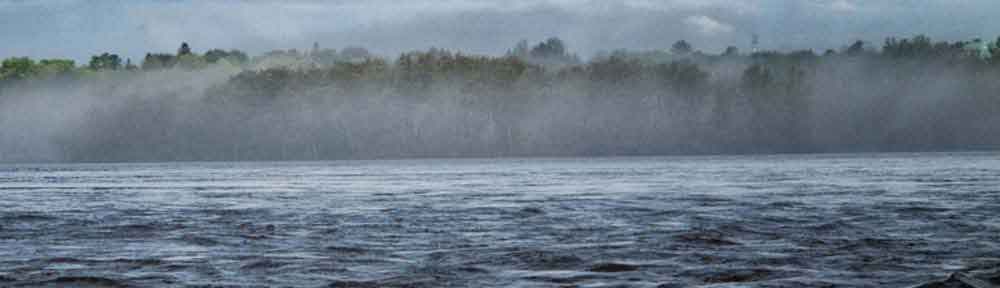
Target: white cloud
(708,26)
(843,6)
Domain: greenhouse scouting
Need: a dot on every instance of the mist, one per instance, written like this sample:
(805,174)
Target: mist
(326,104)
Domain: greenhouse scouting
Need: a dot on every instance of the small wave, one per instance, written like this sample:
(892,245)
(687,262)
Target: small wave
(82,281)
(354,284)
(736,275)
(394,282)
(881,244)
(962,280)
(26,217)
(739,276)
(199,240)
(546,260)
(223,195)
(705,237)
(64,260)
(613,267)
(144,262)
(562,277)
(347,250)
(529,211)
(265,264)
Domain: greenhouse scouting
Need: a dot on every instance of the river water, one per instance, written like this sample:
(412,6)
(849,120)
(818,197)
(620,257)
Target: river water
(845,220)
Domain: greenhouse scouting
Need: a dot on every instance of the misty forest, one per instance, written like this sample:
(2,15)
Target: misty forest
(540,99)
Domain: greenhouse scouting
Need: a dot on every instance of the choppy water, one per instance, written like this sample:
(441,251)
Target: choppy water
(867,220)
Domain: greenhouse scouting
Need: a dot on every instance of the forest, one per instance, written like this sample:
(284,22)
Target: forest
(539,99)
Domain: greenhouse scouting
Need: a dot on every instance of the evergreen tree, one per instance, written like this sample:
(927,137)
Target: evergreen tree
(681,48)
(184,49)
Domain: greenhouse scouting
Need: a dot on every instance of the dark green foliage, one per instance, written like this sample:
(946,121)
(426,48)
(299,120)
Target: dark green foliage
(214,55)
(158,61)
(23,68)
(616,69)
(552,51)
(264,83)
(235,57)
(681,47)
(685,76)
(417,69)
(105,61)
(17,68)
(922,48)
(550,48)
(731,51)
(191,61)
(184,49)
(55,67)
(856,49)
(908,48)
(187,60)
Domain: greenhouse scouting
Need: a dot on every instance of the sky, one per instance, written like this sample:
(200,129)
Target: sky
(79,28)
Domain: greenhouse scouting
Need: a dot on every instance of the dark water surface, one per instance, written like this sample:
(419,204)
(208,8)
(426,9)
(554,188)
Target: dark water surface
(864,220)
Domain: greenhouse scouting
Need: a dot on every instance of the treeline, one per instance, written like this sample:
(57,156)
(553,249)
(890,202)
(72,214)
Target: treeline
(24,68)
(909,94)
(551,53)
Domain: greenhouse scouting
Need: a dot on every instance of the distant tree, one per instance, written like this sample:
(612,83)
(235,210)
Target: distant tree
(856,48)
(919,45)
(802,56)
(184,49)
(550,48)
(684,76)
(520,49)
(995,52)
(105,61)
(617,69)
(158,61)
(355,53)
(552,51)
(17,68)
(129,65)
(681,47)
(731,51)
(237,57)
(829,52)
(894,47)
(55,67)
(191,61)
(214,55)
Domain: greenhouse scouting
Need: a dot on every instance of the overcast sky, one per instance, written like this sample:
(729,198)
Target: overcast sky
(79,28)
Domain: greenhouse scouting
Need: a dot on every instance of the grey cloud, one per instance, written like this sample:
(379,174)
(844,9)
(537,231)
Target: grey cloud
(77,28)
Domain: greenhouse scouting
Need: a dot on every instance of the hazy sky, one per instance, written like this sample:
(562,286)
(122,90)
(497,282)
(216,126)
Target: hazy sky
(79,28)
